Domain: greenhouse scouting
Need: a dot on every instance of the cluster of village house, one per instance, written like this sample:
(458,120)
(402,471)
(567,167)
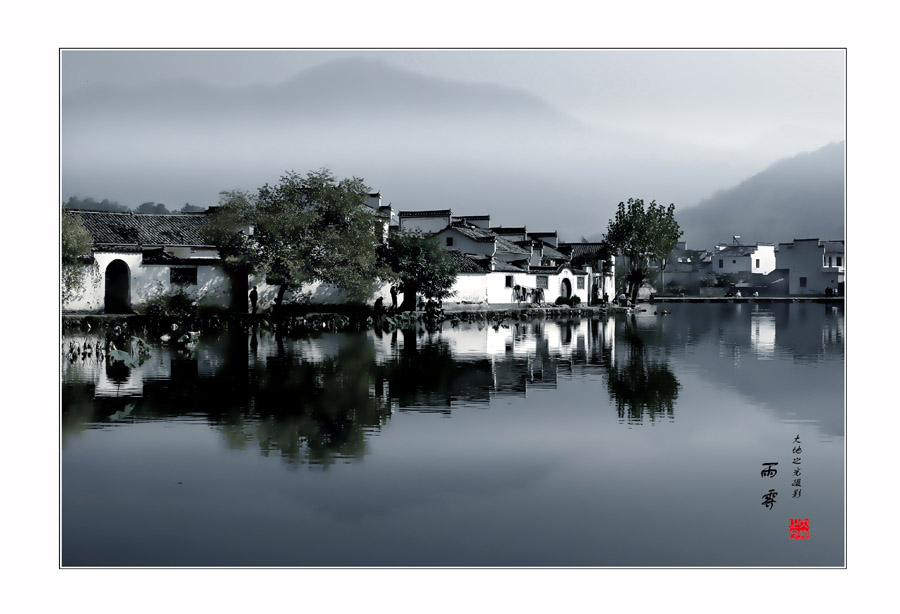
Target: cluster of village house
(801,267)
(137,257)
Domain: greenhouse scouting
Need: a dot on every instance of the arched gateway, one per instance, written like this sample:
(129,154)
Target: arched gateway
(117,297)
(565,288)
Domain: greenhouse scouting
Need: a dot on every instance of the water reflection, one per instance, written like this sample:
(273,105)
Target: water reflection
(319,400)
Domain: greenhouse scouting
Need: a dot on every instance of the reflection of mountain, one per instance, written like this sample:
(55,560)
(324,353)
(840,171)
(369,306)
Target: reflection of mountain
(750,347)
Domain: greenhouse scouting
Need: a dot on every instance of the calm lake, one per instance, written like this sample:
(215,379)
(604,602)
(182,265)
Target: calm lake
(613,441)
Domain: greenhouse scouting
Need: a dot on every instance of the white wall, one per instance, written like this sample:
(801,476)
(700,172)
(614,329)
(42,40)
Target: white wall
(213,288)
(470,287)
(804,259)
(425,225)
(766,256)
(318,294)
(465,244)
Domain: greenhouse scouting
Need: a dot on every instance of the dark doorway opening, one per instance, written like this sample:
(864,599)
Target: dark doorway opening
(565,289)
(240,291)
(117,298)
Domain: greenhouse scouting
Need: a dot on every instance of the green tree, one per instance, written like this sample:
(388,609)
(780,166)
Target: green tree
(643,235)
(76,250)
(418,264)
(152,207)
(303,229)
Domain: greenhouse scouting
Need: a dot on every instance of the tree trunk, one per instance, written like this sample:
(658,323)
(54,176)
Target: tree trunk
(409,299)
(279,299)
(637,279)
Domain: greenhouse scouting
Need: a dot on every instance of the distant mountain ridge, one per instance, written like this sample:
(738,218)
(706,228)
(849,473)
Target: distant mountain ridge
(360,87)
(799,197)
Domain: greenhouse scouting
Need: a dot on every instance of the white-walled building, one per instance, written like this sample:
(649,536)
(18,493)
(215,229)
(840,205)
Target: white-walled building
(139,256)
(759,258)
(424,222)
(813,265)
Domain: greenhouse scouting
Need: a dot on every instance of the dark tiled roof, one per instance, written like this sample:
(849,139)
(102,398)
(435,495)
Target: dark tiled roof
(538,235)
(506,267)
(158,256)
(834,246)
(471,217)
(465,264)
(544,270)
(507,246)
(553,254)
(500,230)
(581,249)
(475,233)
(434,213)
(185,229)
(735,251)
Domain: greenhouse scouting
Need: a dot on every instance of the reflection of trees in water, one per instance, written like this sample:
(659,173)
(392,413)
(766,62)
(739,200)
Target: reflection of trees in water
(316,411)
(267,393)
(638,385)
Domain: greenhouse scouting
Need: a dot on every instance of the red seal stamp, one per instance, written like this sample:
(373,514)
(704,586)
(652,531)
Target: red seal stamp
(799,528)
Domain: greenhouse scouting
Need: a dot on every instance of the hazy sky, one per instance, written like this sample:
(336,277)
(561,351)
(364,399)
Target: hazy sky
(670,125)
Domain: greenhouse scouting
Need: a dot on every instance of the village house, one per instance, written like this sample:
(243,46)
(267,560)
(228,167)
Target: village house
(813,265)
(136,257)
(736,258)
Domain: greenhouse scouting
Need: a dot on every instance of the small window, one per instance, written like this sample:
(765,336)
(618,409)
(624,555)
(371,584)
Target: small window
(449,241)
(839,261)
(542,282)
(183,275)
(757,263)
(802,282)
(509,281)
(720,263)
(580,283)
(829,262)
(734,262)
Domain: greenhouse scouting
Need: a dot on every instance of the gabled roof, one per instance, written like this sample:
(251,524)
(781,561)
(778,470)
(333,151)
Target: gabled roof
(574,250)
(553,254)
(505,245)
(106,228)
(465,264)
(506,267)
(735,251)
(483,235)
(475,233)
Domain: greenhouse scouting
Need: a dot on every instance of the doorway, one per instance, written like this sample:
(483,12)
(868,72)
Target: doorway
(117,298)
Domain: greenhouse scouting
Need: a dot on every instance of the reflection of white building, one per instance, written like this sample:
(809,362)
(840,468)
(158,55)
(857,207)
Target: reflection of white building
(762,334)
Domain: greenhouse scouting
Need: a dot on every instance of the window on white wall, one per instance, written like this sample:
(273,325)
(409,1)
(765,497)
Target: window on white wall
(720,263)
(757,263)
(509,281)
(580,283)
(839,260)
(542,282)
(449,241)
(183,275)
(802,282)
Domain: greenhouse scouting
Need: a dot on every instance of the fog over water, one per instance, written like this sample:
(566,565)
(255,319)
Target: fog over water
(550,139)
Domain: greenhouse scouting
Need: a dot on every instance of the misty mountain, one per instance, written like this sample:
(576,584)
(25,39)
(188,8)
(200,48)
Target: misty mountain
(352,88)
(799,197)
(425,143)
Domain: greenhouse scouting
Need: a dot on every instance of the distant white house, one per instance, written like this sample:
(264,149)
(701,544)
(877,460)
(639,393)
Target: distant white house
(759,258)
(813,265)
